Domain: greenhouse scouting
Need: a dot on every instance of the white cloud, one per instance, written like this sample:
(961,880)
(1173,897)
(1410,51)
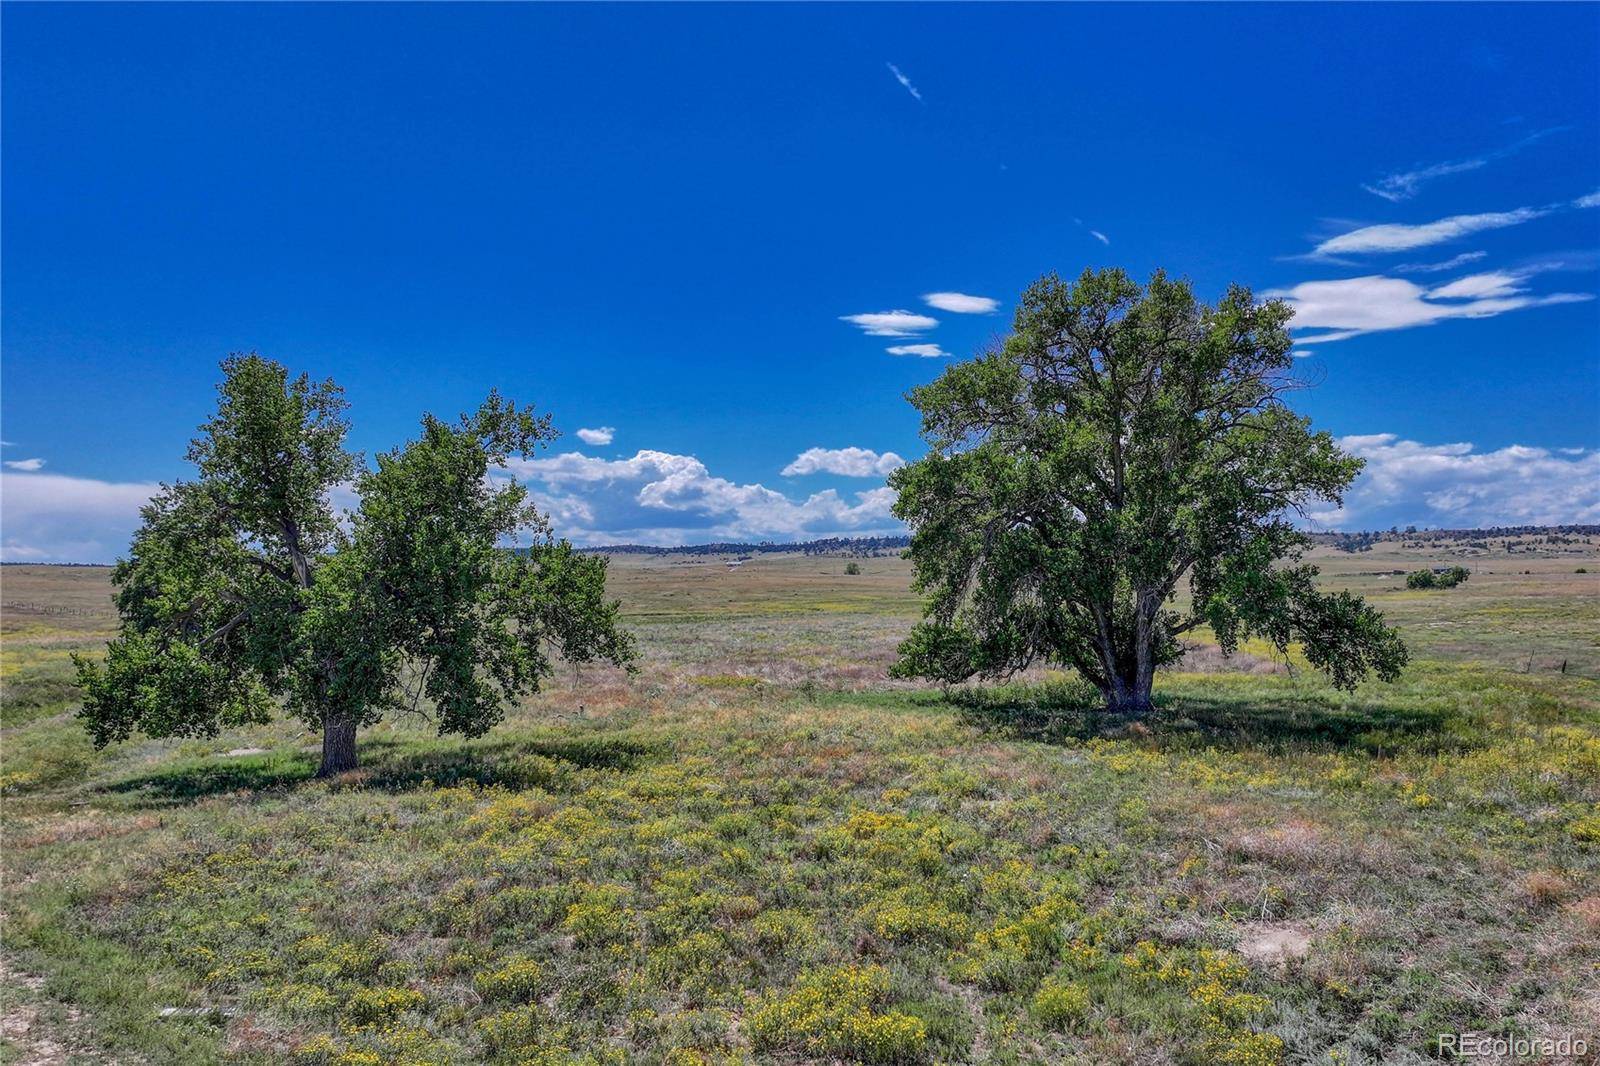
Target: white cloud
(1591,200)
(926,351)
(54,518)
(1438,268)
(662,498)
(25,464)
(960,303)
(1353,306)
(1101,237)
(849,462)
(1399,237)
(1455,486)
(1397,187)
(891,323)
(598,435)
(1404,185)
(905,82)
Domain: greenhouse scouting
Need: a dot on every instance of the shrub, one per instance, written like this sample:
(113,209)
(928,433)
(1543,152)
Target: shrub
(852,568)
(1446,579)
(518,978)
(370,1006)
(832,1012)
(1060,1004)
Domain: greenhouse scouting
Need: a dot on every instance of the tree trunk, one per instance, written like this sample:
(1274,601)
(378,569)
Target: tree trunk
(338,747)
(1129,673)
(1129,698)
(1128,693)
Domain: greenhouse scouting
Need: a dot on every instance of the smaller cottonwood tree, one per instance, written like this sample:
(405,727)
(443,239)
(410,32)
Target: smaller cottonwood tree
(244,590)
(1121,440)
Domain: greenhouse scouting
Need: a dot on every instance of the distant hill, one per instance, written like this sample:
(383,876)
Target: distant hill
(1360,542)
(829,546)
(1350,542)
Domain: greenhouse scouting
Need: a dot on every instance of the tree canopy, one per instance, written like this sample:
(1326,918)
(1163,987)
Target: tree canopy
(245,589)
(1120,440)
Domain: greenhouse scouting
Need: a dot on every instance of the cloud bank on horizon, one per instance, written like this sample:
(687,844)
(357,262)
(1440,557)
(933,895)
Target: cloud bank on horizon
(666,499)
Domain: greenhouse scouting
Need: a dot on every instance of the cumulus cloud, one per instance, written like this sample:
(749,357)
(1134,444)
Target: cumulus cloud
(662,498)
(849,462)
(891,323)
(54,518)
(1400,237)
(1353,306)
(960,303)
(926,351)
(1455,486)
(905,82)
(598,435)
(25,464)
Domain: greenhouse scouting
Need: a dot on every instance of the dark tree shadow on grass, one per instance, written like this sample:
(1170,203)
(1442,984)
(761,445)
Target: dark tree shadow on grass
(1279,722)
(390,766)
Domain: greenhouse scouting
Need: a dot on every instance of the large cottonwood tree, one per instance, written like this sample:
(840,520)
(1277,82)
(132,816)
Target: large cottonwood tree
(1120,441)
(244,589)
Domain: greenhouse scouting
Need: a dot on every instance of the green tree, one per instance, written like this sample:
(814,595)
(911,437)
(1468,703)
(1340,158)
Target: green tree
(243,591)
(1120,440)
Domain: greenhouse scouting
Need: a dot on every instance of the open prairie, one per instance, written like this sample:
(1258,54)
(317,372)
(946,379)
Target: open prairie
(759,848)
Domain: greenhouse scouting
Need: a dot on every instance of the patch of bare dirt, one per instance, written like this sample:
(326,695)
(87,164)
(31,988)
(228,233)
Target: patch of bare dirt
(20,1024)
(1274,944)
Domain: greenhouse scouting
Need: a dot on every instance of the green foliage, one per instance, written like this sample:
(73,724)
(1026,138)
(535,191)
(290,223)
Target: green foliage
(1121,439)
(852,568)
(1060,1004)
(837,1011)
(1444,579)
(242,588)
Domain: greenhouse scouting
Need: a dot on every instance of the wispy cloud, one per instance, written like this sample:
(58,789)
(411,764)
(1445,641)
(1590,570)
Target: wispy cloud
(1437,268)
(1353,306)
(960,303)
(905,82)
(847,462)
(1454,485)
(1096,234)
(926,351)
(1406,184)
(597,435)
(25,464)
(891,323)
(1400,237)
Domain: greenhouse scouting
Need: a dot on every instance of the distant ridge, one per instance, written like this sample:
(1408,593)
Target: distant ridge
(1354,541)
(1350,542)
(827,546)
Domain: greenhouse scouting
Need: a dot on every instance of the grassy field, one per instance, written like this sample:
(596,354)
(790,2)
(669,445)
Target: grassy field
(759,849)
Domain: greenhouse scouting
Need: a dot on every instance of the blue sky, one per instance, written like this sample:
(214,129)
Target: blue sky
(664,222)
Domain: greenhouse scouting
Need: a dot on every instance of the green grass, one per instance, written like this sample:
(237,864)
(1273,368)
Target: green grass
(760,850)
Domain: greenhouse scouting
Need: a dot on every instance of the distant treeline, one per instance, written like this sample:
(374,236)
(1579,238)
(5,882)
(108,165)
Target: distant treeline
(1360,542)
(866,546)
(863,546)
(1350,542)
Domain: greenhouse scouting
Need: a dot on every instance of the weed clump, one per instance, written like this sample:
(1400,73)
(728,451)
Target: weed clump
(836,1011)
